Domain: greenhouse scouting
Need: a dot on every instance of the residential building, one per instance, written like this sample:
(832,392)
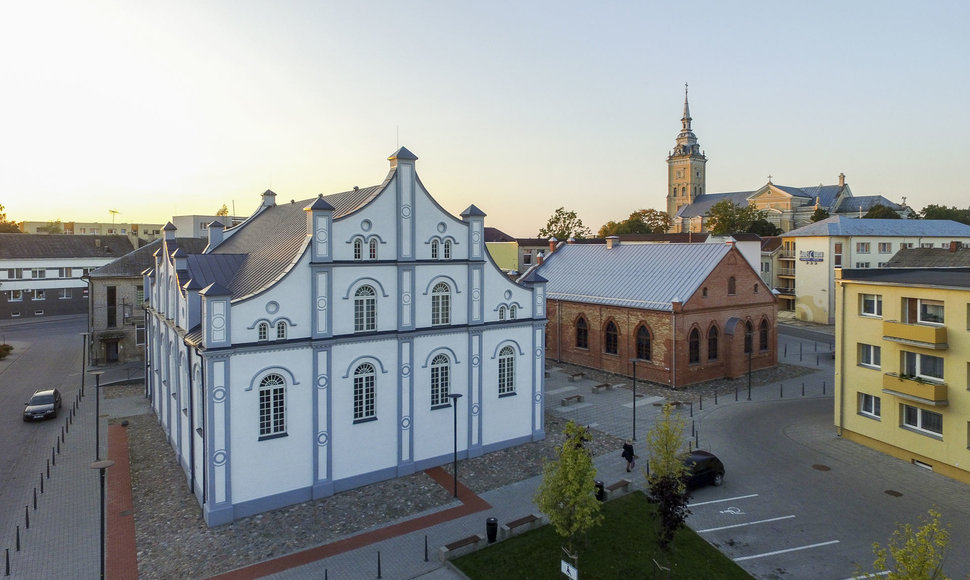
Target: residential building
(503,249)
(955,255)
(770,258)
(42,275)
(685,313)
(811,255)
(901,364)
(134,231)
(321,345)
(197,226)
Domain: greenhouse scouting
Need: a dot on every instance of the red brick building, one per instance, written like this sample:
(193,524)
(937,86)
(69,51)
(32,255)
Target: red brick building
(685,313)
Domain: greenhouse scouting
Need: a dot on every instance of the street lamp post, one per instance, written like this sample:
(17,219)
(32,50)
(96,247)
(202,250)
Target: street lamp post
(97,413)
(454,403)
(748,346)
(84,358)
(634,361)
(102,466)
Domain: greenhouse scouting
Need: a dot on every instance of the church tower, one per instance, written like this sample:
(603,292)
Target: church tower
(685,167)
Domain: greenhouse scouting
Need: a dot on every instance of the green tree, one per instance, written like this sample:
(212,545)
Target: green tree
(54,227)
(563,225)
(881,212)
(942,212)
(764,228)
(7,227)
(820,214)
(642,221)
(914,554)
(665,443)
(223,211)
(567,491)
(727,217)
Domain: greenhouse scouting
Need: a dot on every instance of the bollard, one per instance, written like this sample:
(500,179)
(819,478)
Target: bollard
(692,427)
(62,433)
(326,573)
(803,389)
(26,517)
(823,387)
(702,403)
(7,567)
(58,445)
(697,440)
(816,360)
(781,390)
(600,490)
(53,457)
(715,397)
(786,350)
(18,537)
(42,482)
(426,547)
(491,529)
(379,564)
(735,394)
(48,469)
(35,499)
(692,408)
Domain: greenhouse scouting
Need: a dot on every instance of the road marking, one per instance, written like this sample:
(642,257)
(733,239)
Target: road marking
(722,500)
(734,511)
(873,575)
(745,524)
(776,552)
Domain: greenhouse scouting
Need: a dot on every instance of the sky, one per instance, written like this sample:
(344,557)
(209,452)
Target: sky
(155,109)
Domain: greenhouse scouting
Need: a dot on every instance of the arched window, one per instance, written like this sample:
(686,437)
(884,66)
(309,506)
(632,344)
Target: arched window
(434,249)
(612,337)
(364,393)
(280,330)
(447,250)
(763,336)
(365,309)
(440,380)
(732,286)
(506,371)
(643,343)
(262,331)
(272,406)
(756,288)
(358,249)
(440,304)
(513,311)
(582,333)
(694,346)
(712,343)
(501,312)
(747,337)
(373,249)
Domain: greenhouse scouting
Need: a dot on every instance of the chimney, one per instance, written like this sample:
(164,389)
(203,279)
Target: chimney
(841,180)
(954,246)
(539,258)
(216,231)
(612,242)
(552,244)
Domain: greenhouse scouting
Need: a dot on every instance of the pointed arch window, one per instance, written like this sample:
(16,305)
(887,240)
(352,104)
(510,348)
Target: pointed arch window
(712,343)
(763,336)
(612,338)
(440,304)
(582,333)
(365,309)
(747,337)
(447,250)
(372,249)
(440,380)
(732,286)
(643,343)
(272,406)
(435,247)
(506,371)
(365,397)
(262,331)
(358,249)
(694,346)
(281,330)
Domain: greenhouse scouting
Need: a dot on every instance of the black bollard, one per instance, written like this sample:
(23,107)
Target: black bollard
(702,403)
(379,564)
(42,483)
(692,408)
(715,397)
(62,434)
(823,387)
(7,567)
(735,394)
(18,537)
(692,427)
(58,445)
(803,389)
(53,457)
(697,440)
(426,547)
(26,517)
(48,469)
(786,350)
(781,390)
(35,499)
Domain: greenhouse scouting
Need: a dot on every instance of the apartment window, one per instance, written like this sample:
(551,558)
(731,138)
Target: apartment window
(870,405)
(870,356)
(922,366)
(365,397)
(372,249)
(885,247)
(37,273)
(435,249)
(731,286)
(64,272)
(756,288)
(871,304)
(527,258)
(262,331)
(837,255)
(643,343)
(930,311)
(64,294)
(440,304)
(272,406)
(862,247)
(906,245)
(926,245)
(440,380)
(39,295)
(882,265)
(694,346)
(922,420)
(139,294)
(139,334)
(365,309)
(15,273)
(612,338)
(281,330)
(111,306)
(16,296)
(763,336)
(712,343)
(582,333)
(506,371)
(447,250)
(862,264)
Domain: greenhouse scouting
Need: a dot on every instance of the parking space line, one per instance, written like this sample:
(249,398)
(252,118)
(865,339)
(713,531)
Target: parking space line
(744,524)
(872,575)
(776,552)
(722,500)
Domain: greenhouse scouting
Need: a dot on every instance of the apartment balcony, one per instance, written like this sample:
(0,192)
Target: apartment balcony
(786,272)
(919,335)
(787,254)
(785,291)
(914,389)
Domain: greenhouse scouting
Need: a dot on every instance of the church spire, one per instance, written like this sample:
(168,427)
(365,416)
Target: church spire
(685,121)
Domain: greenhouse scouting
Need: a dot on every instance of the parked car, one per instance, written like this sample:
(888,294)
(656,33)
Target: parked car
(703,468)
(43,404)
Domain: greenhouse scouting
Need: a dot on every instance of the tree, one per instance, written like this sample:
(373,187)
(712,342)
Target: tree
(564,225)
(642,221)
(820,214)
(567,491)
(881,212)
(223,211)
(54,227)
(764,228)
(727,217)
(665,481)
(5,226)
(914,554)
(942,212)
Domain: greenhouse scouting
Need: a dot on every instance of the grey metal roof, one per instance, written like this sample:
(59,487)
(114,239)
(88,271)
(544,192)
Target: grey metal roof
(825,194)
(647,276)
(952,277)
(31,246)
(930,258)
(704,202)
(134,263)
(840,225)
(864,203)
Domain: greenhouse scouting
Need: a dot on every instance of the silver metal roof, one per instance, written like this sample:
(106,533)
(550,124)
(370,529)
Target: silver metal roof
(841,225)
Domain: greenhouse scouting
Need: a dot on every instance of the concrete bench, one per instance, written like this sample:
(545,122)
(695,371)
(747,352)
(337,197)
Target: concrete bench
(521,525)
(576,376)
(460,547)
(567,400)
(617,489)
(601,386)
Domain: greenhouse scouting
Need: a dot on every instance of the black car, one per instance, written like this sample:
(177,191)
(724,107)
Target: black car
(703,468)
(43,405)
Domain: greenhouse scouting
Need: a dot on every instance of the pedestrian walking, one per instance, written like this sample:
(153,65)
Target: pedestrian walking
(629,455)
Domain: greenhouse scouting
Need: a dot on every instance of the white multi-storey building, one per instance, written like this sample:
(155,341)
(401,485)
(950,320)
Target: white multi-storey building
(318,346)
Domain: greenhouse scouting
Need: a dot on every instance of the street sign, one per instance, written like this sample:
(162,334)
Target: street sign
(569,570)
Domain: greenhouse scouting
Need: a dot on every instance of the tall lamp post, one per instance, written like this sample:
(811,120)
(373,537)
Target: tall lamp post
(97,413)
(102,466)
(748,347)
(454,403)
(634,361)
(84,358)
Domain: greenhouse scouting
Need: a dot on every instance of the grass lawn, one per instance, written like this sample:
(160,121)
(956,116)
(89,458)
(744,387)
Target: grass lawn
(624,546)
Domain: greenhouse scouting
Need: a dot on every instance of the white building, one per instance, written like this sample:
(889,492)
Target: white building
(313,348)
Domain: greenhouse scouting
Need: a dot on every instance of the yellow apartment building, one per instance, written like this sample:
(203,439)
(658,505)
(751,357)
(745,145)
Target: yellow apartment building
(902,364)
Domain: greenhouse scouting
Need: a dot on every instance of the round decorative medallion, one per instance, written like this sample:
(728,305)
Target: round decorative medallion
(272,307)
(220,457)
(406,298)
(476,294)
(219,394)
(366,225)
(405,211)
(322,303)
(323,438)
(538,398)
(476,236)
(475,360)
(508,294)
(538,299)
(442,227)
(405,370)
(538,352)
(476,409)
(323,381)
(322,236)
(405,422)
(218,322)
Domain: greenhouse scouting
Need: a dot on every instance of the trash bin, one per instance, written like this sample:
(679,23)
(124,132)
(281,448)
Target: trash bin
(491,529)
(600,491)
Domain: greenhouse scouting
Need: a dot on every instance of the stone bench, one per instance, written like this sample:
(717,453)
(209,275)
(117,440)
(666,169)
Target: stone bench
(460,547)
(521,525)
(576,376)
(567,400)
(601,386)
(617,489)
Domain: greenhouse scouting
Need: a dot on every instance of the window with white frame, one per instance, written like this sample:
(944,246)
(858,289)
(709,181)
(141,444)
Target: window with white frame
(501,312)
(37,273)
(527,258)
(870,356)
(862,264)
(506,371)
(280,330)
(870,304)
(930,311)
(139,334)
(926,245)
(837,255)
(365,397)
(365,309)
(906,245)
(15,273)
(447,250)
(862,247)
(440,380)
(272,406)
(870,405)
(15,296)
(64,294)
(372,249)
(440,304)
(435,249)
(922,420)
(513,311)
(39,295)
(922,366)
(64,272)
(358,249)
(262,331)
(885,247)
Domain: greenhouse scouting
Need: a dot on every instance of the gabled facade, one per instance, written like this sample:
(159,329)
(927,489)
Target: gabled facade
(315,347)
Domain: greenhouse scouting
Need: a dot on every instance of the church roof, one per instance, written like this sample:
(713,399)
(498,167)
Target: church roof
(864,203)
(704,202)
(825,194)
(134,263)
(840,225)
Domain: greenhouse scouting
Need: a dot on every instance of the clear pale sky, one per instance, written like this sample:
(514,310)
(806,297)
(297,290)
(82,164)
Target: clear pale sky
(157,109)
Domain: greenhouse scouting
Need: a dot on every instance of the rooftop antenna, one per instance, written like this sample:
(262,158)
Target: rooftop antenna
(113,213)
